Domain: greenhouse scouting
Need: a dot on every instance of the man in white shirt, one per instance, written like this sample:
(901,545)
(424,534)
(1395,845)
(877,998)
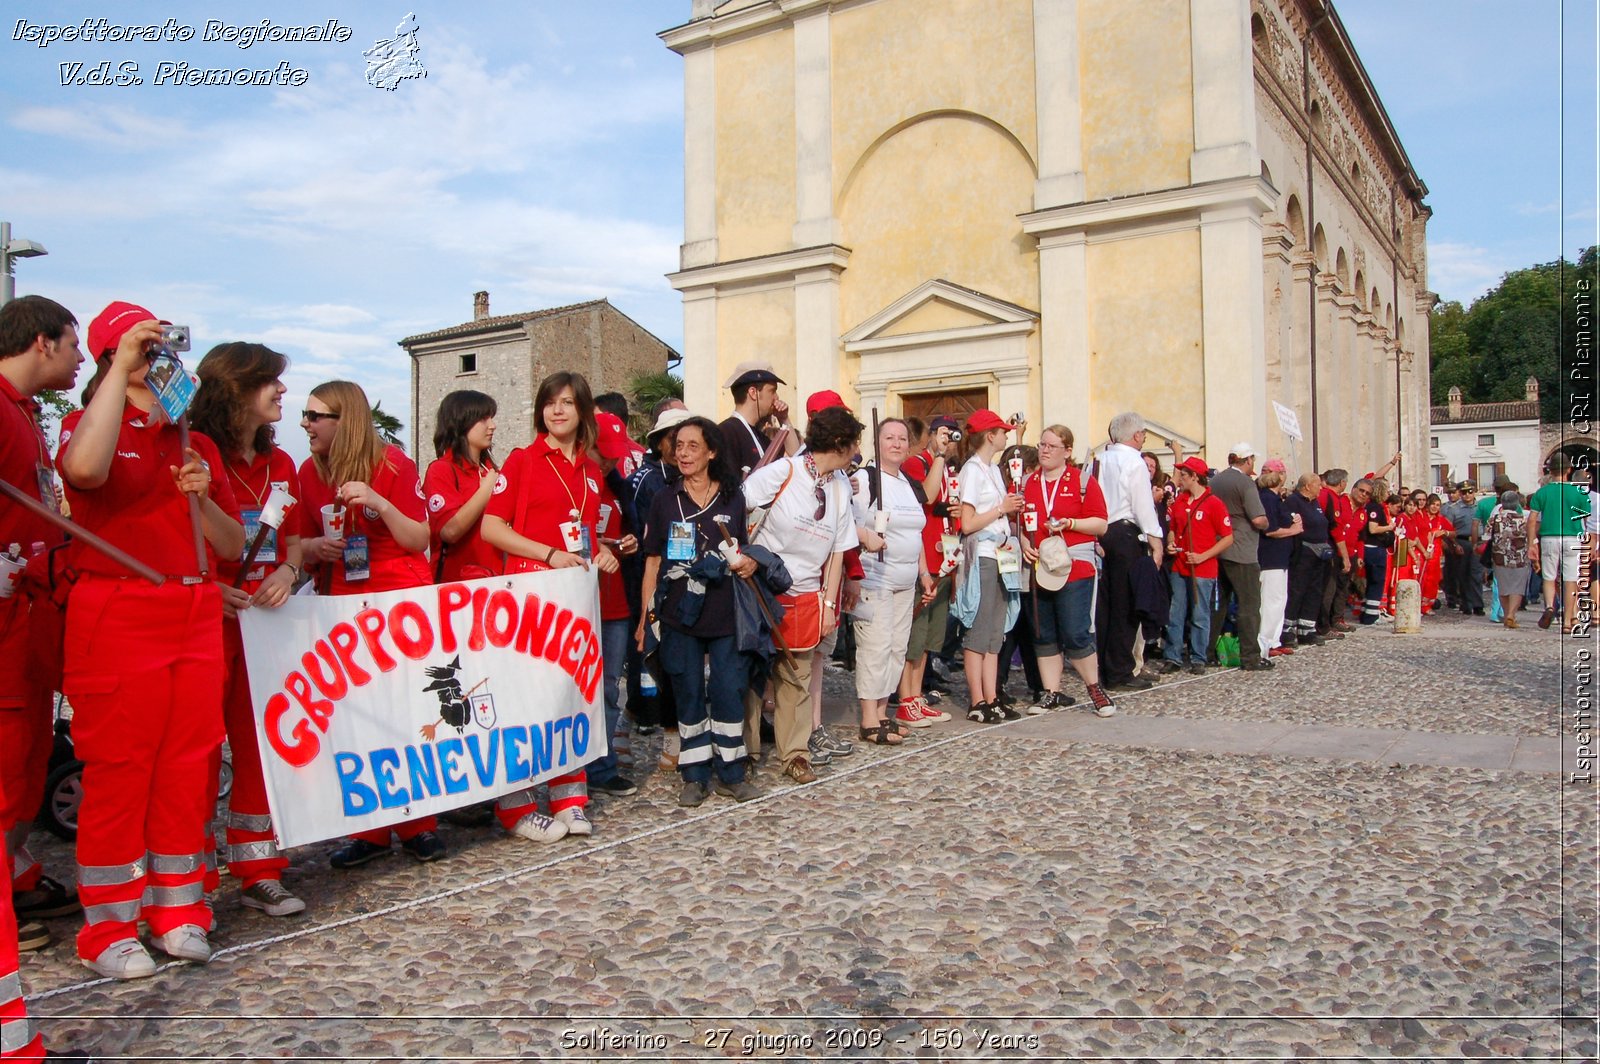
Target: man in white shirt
(1132,529)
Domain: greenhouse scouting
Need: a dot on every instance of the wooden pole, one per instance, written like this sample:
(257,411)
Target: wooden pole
(77,532)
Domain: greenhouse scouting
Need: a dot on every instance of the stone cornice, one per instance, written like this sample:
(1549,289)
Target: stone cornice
(780,266)
(763,14)
(1188,200)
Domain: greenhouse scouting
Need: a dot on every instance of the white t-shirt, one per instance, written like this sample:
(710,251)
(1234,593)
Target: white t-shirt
(792,530)
(983,489)
(901,562)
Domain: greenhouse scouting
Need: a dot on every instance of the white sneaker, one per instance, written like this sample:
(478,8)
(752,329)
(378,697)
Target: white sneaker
(540,828)
(126,959)
(186,942)
(272,898)
(577,823)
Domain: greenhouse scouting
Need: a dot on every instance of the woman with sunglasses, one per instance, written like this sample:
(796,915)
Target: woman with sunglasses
(239,401)
(144,665)
(380,547)
(543,512)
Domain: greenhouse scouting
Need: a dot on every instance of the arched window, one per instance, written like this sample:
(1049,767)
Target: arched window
(1361,290)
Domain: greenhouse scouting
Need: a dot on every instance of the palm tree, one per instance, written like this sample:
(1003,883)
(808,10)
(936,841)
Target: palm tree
(647,390)
(387,424)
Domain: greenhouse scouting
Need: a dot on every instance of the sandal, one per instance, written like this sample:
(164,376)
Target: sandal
(882,735)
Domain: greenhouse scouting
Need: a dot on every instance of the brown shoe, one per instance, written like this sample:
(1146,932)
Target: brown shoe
(799,770)
(1546,618)
(32,936)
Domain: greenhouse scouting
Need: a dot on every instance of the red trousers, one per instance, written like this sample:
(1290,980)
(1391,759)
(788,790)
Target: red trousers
(30,656)
(565,792)
(17,1038)
(252,852)
(144,674)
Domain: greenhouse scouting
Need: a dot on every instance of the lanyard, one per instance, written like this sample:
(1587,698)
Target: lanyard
(761,447)
(1051,496)
(257,497)
(686,518)
(577,508)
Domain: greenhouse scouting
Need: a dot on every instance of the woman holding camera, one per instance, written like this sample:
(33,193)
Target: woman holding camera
(545,518)
(364,529)
(144,665)
(239,401)
(985,602)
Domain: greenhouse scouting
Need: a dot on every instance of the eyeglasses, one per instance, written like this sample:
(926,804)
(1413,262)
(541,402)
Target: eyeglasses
(822,501)
(315,416)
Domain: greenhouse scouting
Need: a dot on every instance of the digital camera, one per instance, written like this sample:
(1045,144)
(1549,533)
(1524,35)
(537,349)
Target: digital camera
(174,338)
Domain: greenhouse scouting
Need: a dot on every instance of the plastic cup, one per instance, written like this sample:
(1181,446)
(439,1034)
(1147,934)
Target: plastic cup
(10,575)
(880,521)
(333,521)
(277,504)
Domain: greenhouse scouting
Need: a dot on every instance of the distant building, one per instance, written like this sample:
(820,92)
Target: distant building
(1480,441)
(1063,208)
(507,356)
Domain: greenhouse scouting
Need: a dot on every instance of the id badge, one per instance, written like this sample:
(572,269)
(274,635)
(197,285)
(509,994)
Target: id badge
(357,563)
(268,554)
(1006,560)
(173,387)
(680,542)
(47,488)
(1030,519)
(949,542)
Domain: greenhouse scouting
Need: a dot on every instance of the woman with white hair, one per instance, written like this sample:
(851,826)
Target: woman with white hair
(1507,531)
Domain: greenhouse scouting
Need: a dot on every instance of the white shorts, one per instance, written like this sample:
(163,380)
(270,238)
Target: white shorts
(883,628)
(1560,557)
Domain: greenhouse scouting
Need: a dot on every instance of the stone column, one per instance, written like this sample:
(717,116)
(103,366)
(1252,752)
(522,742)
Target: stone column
(1059,104)
(1064,382)
(1232,326)
(699,163)
(1333,380)
(1223,65)
(702,378)
(813,130)
(817,353)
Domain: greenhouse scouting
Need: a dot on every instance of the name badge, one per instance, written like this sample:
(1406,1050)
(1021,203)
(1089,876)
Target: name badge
(357,561)
(269,546)
(680,542)
(47,487)
(576,538)
(1006,560)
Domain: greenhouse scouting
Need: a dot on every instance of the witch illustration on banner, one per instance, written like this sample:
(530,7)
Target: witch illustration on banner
(457,708)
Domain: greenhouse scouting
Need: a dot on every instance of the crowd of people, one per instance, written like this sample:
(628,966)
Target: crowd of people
(729,557)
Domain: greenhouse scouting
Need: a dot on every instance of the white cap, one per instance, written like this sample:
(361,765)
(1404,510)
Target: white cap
(1242,449)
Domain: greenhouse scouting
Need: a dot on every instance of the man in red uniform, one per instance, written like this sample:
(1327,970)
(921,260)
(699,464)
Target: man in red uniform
(38,351)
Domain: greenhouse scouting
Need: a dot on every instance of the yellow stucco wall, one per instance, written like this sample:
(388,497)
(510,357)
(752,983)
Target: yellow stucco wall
(933,315)
(894,61)
(1136,77)
(1145,332)
(755,146)
(938,199)
(755,325)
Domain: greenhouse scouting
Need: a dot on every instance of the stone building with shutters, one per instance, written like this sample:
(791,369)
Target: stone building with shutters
(506,356)
(1060,208)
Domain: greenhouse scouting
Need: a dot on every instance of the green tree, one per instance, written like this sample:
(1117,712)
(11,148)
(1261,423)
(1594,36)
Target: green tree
(387,424)
(646,390)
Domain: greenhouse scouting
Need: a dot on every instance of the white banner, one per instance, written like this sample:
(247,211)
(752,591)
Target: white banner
(376,709)
(1288,420)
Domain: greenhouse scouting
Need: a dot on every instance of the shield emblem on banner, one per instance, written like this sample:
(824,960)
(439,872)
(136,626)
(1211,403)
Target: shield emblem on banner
(483,710)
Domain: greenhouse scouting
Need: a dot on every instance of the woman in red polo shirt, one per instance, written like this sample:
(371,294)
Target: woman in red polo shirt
(240,399)
(543,513)
(1064,502)
(143,664)
(458,483)
(385,535)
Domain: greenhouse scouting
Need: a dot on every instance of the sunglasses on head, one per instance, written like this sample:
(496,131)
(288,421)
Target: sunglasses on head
(315,416)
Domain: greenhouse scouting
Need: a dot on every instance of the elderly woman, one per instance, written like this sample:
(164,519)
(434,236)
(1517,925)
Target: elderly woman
(1310,562)
(889,522)
(1507,532)
(1273,551)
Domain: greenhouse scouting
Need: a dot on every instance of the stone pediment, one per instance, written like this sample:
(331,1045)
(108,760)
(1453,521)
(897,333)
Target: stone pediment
(939,311)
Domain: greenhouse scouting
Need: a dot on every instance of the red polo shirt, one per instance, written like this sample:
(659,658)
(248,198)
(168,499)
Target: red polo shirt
(24,456)
(139,508)
(1076,495)
(541,488)
(1197,525)
(1346,527)
(613,594)
(392,567)
(449,484)
(252,483)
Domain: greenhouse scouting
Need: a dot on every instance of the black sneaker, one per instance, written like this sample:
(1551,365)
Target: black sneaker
(616,786)
(424,846)
(979,713)
(1197,669)
(356,852)
(1163,666)
(46,901)
(1257,665)
(1006,710)
(1134,683)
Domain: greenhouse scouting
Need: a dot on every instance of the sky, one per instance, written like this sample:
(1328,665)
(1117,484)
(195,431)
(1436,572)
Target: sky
(541,158)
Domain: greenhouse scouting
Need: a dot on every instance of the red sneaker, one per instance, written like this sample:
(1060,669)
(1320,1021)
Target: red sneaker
(928,712)
(910,713)
(1280,652)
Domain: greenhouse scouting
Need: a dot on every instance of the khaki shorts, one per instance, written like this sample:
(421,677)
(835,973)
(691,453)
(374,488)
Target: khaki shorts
(928,624)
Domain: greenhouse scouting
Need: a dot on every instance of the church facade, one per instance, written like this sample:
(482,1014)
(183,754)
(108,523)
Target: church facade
(1060,208)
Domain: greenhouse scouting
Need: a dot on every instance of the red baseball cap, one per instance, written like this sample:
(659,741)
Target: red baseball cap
(109,326)
(823,400)
(1196,466)
(614,443)
(984,420)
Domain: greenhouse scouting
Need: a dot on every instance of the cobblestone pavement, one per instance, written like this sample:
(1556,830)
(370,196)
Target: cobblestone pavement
(979,893)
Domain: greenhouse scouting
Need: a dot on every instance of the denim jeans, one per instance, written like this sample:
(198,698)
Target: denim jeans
(711,736)
(1191,618)
(614,651)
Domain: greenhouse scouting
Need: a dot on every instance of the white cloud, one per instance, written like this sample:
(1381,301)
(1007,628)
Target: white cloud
(1463,271)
